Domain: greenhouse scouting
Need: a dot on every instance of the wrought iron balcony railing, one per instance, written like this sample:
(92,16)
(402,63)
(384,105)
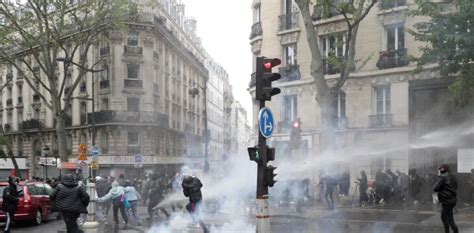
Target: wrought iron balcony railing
(133,50)
(290,73)
(111,116)
(380,121)
(392,59)
(32,124)
(288,21)
(104,84)
(256,30)
(389,4)
(133,83)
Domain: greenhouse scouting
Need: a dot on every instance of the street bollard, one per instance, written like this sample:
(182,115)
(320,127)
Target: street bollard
(91,221)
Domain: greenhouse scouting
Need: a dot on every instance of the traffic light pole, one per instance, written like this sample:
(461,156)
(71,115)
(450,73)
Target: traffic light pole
(262,215)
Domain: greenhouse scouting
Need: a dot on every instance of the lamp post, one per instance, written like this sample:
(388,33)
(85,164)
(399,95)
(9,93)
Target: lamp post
(45,165)
(91,221)
(193,92)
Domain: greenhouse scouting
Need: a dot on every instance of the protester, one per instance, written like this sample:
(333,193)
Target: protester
(403,181)
(10,200)
(446,187)
(363,186)
(71,200)
(156,194)
(132,196)
(415,186)
(380,186)
(192,189)
(103,187)
(330,185)
(116,195)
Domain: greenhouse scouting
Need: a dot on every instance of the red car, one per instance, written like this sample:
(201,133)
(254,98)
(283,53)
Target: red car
(34,204)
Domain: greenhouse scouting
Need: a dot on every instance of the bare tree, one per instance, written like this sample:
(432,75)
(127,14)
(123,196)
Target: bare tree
(327,90)
(35,33)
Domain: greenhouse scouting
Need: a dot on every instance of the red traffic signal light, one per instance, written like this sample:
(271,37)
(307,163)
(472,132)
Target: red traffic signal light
(270,63)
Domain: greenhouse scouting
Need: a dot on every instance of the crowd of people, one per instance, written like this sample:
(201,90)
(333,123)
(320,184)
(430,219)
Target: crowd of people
(70,198)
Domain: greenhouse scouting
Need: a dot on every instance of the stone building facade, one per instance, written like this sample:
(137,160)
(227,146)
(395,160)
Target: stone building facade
(143,103)
(373,106)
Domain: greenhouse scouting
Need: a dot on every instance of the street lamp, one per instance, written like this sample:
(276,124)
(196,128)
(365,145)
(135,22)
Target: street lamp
(91,221)
(194,92)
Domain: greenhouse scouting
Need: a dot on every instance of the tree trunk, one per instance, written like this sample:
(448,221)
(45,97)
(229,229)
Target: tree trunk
(15,164)
(327,136)
(61,133)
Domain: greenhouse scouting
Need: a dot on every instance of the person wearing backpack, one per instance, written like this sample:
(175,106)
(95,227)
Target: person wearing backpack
(71,200)
(117,195)
(10,200)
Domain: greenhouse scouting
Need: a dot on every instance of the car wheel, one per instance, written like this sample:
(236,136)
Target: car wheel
(38,217)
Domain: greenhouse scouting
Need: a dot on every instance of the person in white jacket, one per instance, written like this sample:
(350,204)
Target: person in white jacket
(133,196)
(116,194)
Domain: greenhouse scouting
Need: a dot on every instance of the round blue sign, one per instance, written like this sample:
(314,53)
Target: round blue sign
(265,122)
(95,151)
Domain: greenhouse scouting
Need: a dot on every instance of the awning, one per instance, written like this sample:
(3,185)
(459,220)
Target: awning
(66,165)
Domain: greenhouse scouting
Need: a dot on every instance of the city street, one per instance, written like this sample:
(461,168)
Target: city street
(312,219)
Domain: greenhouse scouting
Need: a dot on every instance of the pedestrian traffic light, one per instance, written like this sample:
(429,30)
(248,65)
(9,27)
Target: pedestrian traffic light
(270,176)
(265,77)
(254,155)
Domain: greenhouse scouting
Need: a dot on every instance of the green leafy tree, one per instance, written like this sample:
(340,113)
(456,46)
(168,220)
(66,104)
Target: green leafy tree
(449,38)
(35,33)
(353,13)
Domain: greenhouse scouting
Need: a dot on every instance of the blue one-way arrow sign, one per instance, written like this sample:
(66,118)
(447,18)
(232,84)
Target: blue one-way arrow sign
(266,124)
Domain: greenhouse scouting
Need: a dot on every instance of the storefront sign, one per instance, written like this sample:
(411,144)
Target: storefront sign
(49,161)
(8,164)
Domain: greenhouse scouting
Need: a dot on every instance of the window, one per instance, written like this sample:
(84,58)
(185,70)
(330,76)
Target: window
(289,108)
(48,188)
(32,190)
(133,142)
(104,106)
(257,14)
(333,45)
(132,39)
(104,141)
(382,100)
(40,189)
(133,104)
(132,71)
(290,54)
(395,37)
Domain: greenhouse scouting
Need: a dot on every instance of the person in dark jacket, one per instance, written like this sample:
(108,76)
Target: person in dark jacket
(192,189)
(363,186)
(446,187)
(328,195)
(103,187)
(71,200)
(10,200)
(156,194)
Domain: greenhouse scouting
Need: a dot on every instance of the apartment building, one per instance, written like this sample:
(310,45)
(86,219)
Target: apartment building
(373,106)
(145,101)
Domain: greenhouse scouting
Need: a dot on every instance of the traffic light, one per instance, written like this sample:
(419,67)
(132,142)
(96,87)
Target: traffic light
(265,77)
(254,155)
(270,176)
(295,134)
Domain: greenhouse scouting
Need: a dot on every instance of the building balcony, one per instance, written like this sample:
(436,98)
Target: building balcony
(288,21)
(111,116)
(256,30)
(104,51)
(19,101)
(253,80)
(380,121)
(31,124)
(393,59)
(389,4)
(133,149)
(133,83)
(132,50)
(104,84)
(290,73)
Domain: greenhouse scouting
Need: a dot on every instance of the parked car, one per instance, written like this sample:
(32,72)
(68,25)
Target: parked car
(34,204)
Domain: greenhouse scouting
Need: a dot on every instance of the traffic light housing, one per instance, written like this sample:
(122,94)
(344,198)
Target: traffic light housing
(270,176)
(265,77)
(254,154)
(295,134)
